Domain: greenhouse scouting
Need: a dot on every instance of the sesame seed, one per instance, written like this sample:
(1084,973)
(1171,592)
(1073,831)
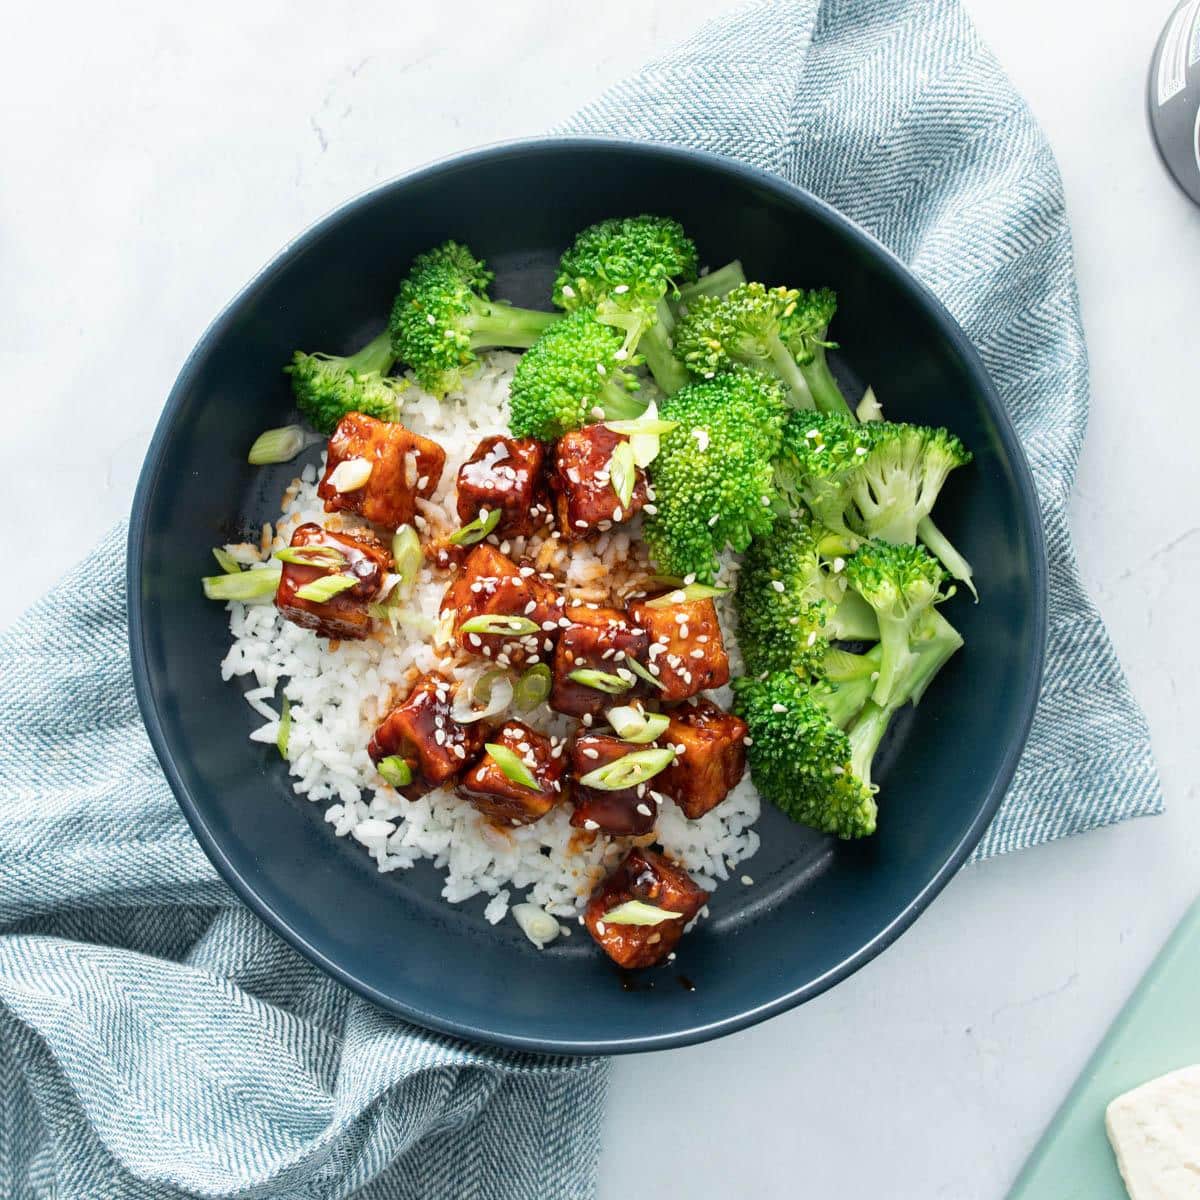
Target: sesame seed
(713,519)
(580,524)
(839,564)
(697,653)
(591,825)
(747,880)
(777,584)
(645,810)
(587,719)
(650,509)
(588,752)
(779,708)
(747,740)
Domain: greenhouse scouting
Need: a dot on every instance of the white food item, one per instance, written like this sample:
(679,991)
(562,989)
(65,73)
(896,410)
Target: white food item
(1155,1134)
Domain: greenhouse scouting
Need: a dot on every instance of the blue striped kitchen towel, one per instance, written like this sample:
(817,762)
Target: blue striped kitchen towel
(157,1041)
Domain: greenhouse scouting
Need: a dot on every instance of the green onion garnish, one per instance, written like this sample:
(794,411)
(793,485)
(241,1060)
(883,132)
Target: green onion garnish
(638,912)
(285,727)
(622,473)
(325,588)
(692,591)
(602,681)
(276,446)
(395,770)
(476,530)
(509,626)
(629,771)
(406,555)
(641,425)
(512,765)
(226,561)
(637,726)
(533,687)
(326,557)
(394,615)
(245,585)
(643,673)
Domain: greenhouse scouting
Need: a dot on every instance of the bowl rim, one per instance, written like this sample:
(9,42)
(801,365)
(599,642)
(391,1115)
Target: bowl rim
(688,1035)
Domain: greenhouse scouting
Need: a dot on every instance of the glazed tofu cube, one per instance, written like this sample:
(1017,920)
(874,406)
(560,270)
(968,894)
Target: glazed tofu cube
(597,639)
(491,585)
(403,468)
(686,652)
(343,616)
(491,791)
(423,732)
(585,500)
(625,812)
(505,474)
(710,757)
(653,879)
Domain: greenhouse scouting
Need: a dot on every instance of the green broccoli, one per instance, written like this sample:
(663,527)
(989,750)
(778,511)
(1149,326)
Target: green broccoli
(790,602)
(902,584)
(442,315)
(768,329)
(715,283)
(800,759)
(628,268)
(576,372)
(879,479)
(327,387)
(712,478)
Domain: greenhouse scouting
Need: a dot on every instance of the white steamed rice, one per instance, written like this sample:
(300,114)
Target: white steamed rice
(338,696)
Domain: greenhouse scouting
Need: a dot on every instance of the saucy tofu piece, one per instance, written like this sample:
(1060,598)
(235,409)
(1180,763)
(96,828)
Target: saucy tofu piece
(585,500)
(404,466)
(625,812)
(598,640)
(491,791)
(505,474)
(686,652)
(422,731)
(710,756)
(653,879)
(491,585)
(345,615)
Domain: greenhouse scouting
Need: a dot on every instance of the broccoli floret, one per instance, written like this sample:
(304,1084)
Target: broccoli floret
(713,478)
(576,372)
(902,584)
(628,268)
(800,759)
(327,387)
(768,329)
(442,316)
(790,602)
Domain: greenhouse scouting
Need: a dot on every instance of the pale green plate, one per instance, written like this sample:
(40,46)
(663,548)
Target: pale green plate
(1157,1031)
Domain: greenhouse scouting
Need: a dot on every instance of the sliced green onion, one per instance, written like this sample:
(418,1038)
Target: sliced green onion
(643,673)
(633,724)
(638,912)
(490,695)
(325,588)
(312,556)
(350,474)
(226,561)
(476,530)
(513,766)
(395,770)
(645,448)
(533,687)
(641,425)
(276,446)
(536,923)
(285,727)
(509,626)
(693,591)
(630,770)
(245,585)
(622,473)
(602,681)
(406,555)
(394,615)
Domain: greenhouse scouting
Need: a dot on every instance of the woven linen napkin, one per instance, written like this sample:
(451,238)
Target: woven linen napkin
(156,1040)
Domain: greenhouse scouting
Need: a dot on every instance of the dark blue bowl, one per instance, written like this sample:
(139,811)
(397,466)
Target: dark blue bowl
(818,909)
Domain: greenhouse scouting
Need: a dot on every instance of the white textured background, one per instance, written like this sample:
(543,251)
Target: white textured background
(152,157)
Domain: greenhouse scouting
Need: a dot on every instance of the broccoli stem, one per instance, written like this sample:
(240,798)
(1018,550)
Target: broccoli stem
(789,371)
(930,656)
(840,666)
(823,387)
(854,620)
(506,325)
(669,373)
(941,548)
(865,735)
(715,283)
(619,404)
(896,659)
(376,356)
(843,701)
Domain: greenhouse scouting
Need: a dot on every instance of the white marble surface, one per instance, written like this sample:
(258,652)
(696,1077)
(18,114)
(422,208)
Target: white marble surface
(155,155)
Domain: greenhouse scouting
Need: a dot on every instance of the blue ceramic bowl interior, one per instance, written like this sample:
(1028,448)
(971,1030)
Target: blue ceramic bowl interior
(818,909)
